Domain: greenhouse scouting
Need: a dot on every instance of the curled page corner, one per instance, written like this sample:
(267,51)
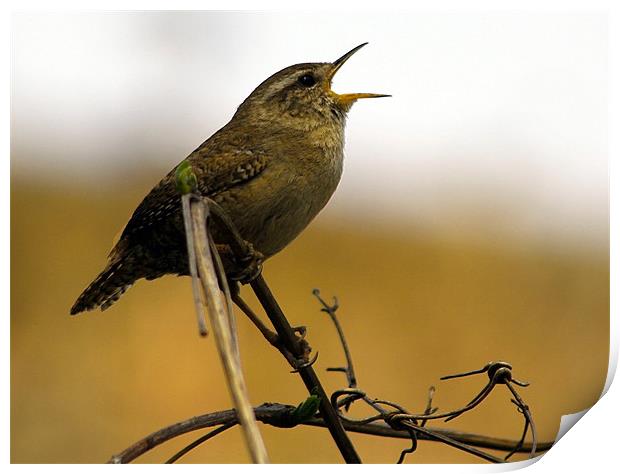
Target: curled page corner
(525,463)
(512,465)
(568,421)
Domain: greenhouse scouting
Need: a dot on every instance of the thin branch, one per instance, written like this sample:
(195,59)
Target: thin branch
(520,442)
(429,410)
(481,441)
(411,449)
(307,373)
(528,418)
(223,284)
(452,442)
(169,432)
(331,311)
(267,333)
(199,441)
(271,337)
(278,415)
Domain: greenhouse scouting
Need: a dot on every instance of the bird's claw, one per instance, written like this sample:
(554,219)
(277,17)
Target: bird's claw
(299,364)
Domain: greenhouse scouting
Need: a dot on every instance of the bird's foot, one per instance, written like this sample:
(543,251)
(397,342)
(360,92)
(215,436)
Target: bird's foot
(250,266)
(304,359)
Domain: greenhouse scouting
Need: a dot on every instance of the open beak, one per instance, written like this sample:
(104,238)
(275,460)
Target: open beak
(348,99)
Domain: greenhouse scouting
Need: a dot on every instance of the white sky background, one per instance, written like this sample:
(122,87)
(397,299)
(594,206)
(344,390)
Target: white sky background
(497,124)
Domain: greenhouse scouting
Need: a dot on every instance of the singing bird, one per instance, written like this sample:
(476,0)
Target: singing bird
(272,168)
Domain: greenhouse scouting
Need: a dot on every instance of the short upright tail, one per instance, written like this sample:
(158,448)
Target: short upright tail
(106,289)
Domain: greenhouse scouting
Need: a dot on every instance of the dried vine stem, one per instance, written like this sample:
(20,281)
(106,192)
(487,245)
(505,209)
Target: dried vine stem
(193,270)
(223,328)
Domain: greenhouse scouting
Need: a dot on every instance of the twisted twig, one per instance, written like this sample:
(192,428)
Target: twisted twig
(499,373)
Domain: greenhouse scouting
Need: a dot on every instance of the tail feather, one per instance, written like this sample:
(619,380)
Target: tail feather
(114,297)
(106,289)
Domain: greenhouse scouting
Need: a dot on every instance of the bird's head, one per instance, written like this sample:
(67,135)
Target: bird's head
(301,97)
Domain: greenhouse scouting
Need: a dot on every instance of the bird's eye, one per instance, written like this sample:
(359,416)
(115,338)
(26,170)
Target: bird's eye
(307,80)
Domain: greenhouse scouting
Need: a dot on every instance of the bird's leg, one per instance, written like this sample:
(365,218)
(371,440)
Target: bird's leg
(270,335)
(247,268)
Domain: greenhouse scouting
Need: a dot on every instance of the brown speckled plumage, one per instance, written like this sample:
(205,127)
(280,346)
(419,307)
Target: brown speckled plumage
(273,167)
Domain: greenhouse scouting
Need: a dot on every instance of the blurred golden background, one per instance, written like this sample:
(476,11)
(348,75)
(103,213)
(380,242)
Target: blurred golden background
(459,235)
(414,308)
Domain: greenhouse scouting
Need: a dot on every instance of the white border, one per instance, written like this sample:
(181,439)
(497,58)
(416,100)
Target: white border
(589,444)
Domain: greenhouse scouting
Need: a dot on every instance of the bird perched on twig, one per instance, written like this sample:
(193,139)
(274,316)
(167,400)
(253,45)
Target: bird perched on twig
(272,168)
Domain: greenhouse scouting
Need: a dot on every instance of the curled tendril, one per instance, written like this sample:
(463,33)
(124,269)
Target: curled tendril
(399,418)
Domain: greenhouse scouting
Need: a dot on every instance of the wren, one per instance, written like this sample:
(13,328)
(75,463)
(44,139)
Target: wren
(272,168)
